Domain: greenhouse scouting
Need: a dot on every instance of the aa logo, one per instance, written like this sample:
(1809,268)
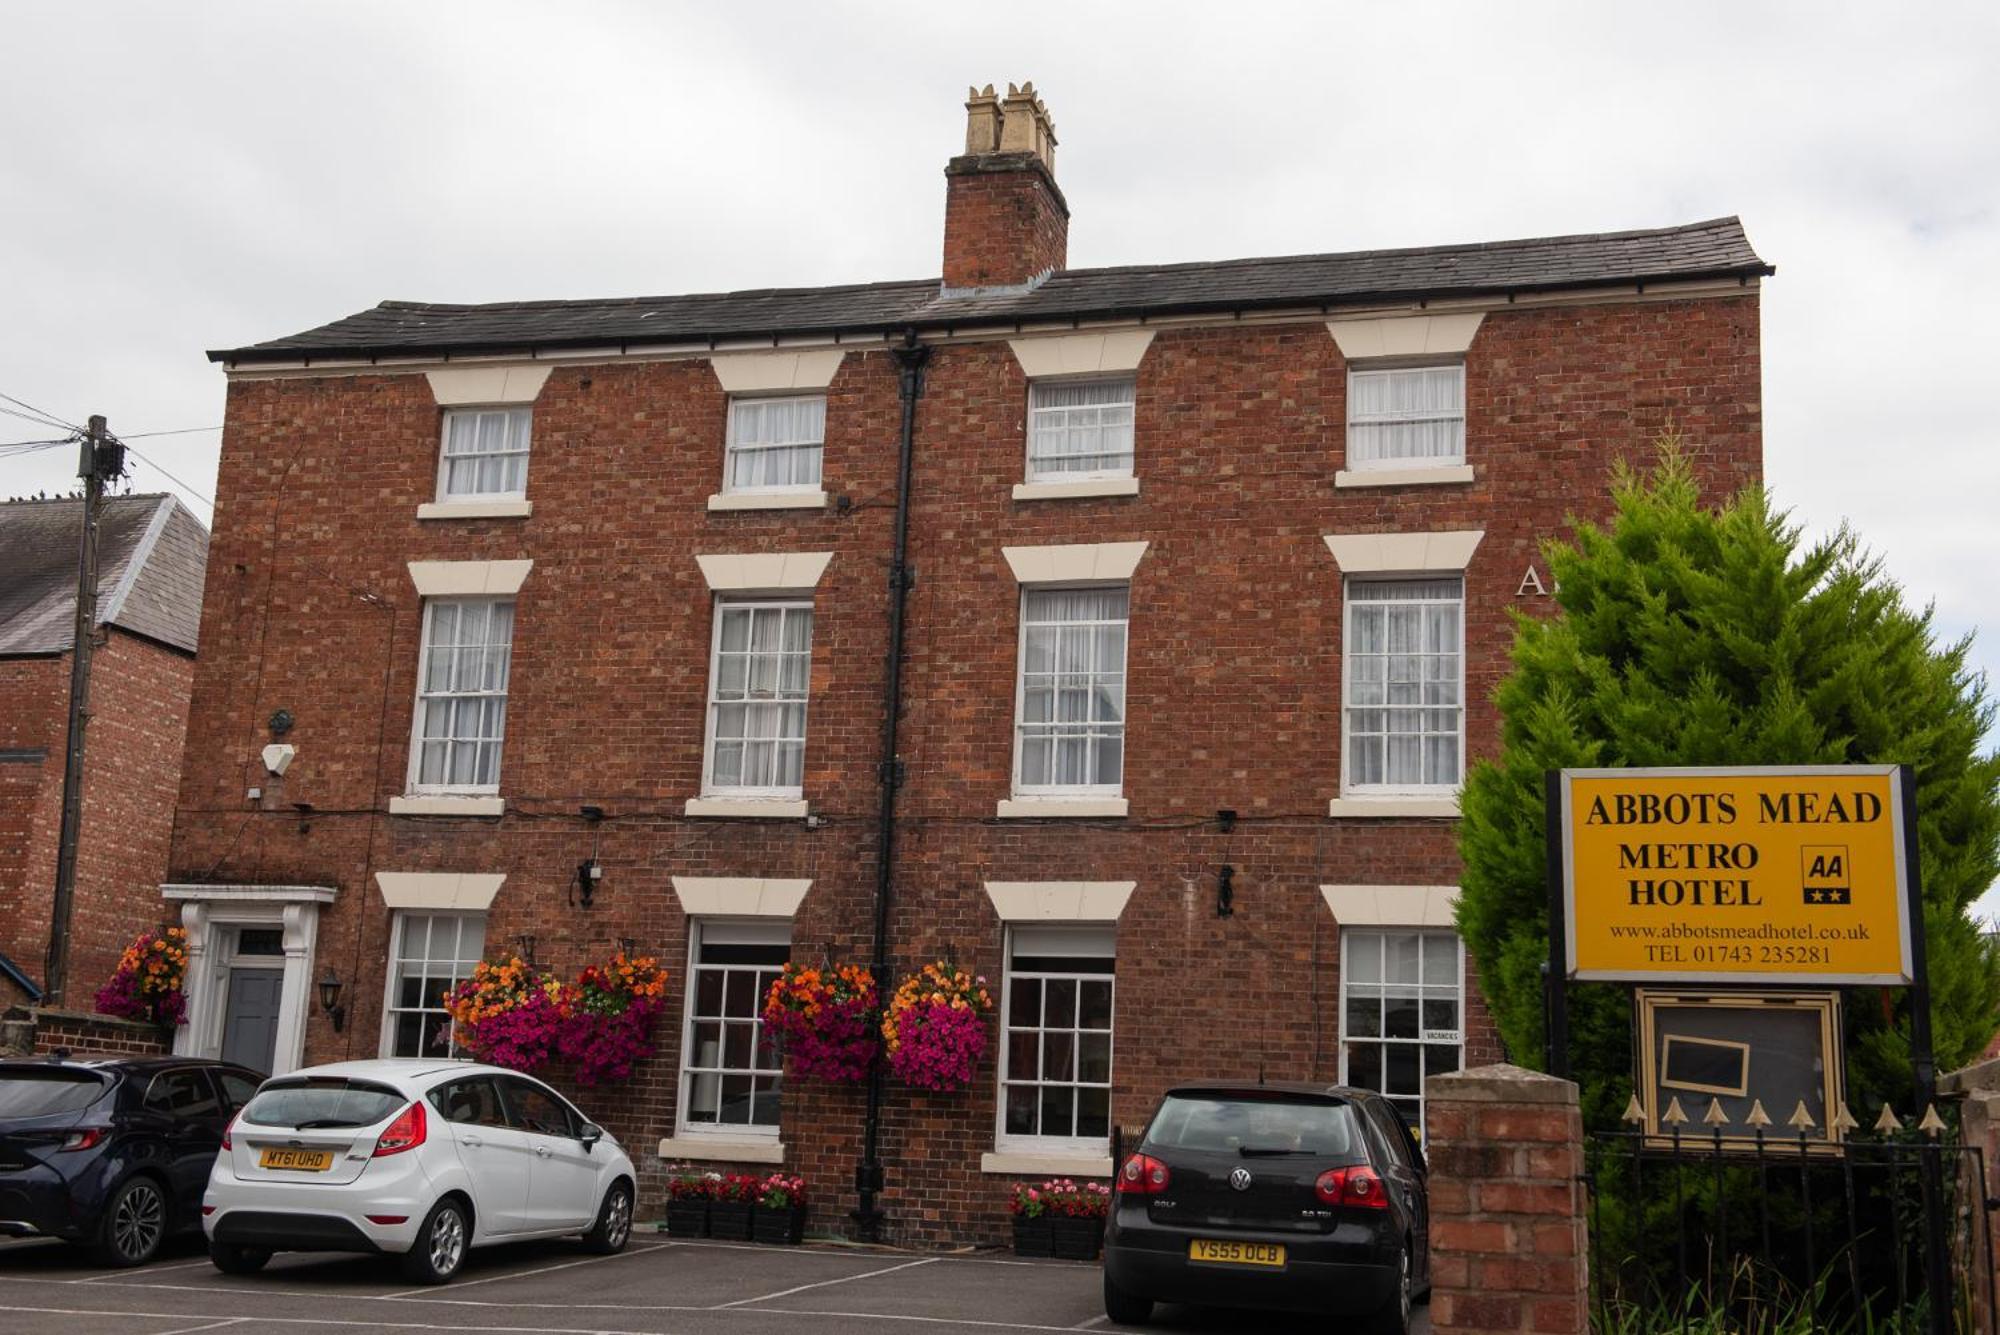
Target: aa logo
(1825,874)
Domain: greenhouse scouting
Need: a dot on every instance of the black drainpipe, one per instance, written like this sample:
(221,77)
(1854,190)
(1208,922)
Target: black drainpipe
(868,1176)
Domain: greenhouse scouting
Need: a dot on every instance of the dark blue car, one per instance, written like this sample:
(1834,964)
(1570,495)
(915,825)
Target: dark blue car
(112,1153)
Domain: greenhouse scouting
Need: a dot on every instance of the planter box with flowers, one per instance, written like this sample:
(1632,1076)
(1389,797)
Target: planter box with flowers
(732,1201)
(1076,1217)
(511,1014)
(147,984)
(1059,1218)
(781,1210)
(687,1203)
(1030,1213)
(935,1028)
(825,1017)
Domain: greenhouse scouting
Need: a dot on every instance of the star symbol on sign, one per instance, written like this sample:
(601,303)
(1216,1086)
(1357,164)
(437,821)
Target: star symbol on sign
(1813,895)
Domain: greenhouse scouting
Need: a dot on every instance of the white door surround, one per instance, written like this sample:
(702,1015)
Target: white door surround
(206,912)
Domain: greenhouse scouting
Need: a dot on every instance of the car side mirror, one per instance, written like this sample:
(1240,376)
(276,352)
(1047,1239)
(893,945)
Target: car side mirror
(590,1135)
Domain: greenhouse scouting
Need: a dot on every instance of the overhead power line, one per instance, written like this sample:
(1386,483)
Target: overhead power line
(47,418)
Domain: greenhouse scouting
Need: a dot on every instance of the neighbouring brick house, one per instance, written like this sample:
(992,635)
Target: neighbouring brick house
(151,554)
(1209,575)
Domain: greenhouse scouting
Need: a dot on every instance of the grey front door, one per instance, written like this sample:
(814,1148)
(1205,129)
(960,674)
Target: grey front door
(250,1023)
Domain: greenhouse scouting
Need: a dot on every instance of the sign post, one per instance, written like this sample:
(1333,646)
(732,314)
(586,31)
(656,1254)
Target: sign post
(1746,876)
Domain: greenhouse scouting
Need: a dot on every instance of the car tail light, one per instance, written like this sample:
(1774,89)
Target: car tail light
(1143,1175)
(229,1128)
(88,1138)
(388,1219)
(405,1133)
(207,1210)
(1357,1186)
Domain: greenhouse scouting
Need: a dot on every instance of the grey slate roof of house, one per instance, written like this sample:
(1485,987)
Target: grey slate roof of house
(1713,249)
(151,558)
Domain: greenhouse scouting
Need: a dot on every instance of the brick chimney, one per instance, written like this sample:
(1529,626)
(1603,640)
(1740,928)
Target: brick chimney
(1005,222)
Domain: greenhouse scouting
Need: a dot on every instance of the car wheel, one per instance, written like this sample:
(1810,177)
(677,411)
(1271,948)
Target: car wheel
(134,1224)
(614,1222)
(1125,1309)
(1394,1316)
(440,1247)
(231,1259)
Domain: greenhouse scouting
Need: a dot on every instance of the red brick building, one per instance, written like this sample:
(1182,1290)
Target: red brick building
(1205,583)
(150,559)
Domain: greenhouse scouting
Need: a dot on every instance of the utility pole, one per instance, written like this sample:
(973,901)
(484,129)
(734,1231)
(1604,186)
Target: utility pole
(101,458)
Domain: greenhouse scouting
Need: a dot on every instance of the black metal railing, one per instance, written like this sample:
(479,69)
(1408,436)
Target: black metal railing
(1708,1227)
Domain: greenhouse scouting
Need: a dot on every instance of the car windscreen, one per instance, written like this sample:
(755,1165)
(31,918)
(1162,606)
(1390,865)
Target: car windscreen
(305,1104)
(46,1092)
(1252,1126)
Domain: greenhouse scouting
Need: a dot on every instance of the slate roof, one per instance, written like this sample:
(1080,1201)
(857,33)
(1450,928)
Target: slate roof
(151,558)
(1714,249)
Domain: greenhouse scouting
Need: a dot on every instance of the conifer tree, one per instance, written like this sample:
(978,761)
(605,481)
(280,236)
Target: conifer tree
(1697,636)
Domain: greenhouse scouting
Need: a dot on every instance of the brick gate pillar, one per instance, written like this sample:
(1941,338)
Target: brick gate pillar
(1508,1249)
(1979,1126)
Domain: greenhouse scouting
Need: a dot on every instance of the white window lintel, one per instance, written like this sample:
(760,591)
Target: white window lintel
(1406,336)
(1059,901)
(739,896)
(777,572)
(1447,552)
(1392,905)
(1113,352)
(447,891)
(458,386)
(469,579)
(776,372)
(1080,562)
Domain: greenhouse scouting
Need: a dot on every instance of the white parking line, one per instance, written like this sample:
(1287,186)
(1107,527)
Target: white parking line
(147,1270)
(844,1279)
(542,1270)
(330,1321)
(213,1325)
(1099,1320)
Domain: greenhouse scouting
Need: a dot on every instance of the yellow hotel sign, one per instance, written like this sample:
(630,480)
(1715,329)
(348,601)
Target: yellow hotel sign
(1736,875)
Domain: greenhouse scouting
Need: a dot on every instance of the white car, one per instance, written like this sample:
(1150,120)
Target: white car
(420,1159)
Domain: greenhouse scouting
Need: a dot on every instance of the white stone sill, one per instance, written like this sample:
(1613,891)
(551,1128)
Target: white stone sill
(767,500)
(1056,491)
(475,509)
(1381,808)
(1402,477)
(749,808)
(714,1149)
(1028,1163)
(446,804)
(1026,808)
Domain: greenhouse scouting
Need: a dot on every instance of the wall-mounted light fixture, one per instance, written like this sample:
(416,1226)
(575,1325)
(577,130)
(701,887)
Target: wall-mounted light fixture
(1225,891)
(589,871)
(329,998)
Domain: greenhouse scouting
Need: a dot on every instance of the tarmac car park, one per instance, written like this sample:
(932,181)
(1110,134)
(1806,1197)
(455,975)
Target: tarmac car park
(556,1288)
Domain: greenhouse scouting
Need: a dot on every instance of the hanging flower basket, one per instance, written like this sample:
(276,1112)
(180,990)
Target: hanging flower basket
(935,1027)
(825,1019)
(149,980)
(511,1014)
(609,1029)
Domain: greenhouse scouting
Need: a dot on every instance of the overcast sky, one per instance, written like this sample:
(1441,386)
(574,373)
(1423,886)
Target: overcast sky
(181,177)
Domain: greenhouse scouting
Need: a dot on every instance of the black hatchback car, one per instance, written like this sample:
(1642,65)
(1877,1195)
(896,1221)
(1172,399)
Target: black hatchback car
(113,1152)
(1300,1197)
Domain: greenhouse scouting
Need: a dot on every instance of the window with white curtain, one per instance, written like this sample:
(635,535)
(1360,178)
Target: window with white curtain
(429,954)
(775,444)
(1079,429)
(1405,417)
(731,1075)
(485,454)
(462,695)
(1070,734)
(1055,1042)
(757,685)
(1402,1012)
(1405,684)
